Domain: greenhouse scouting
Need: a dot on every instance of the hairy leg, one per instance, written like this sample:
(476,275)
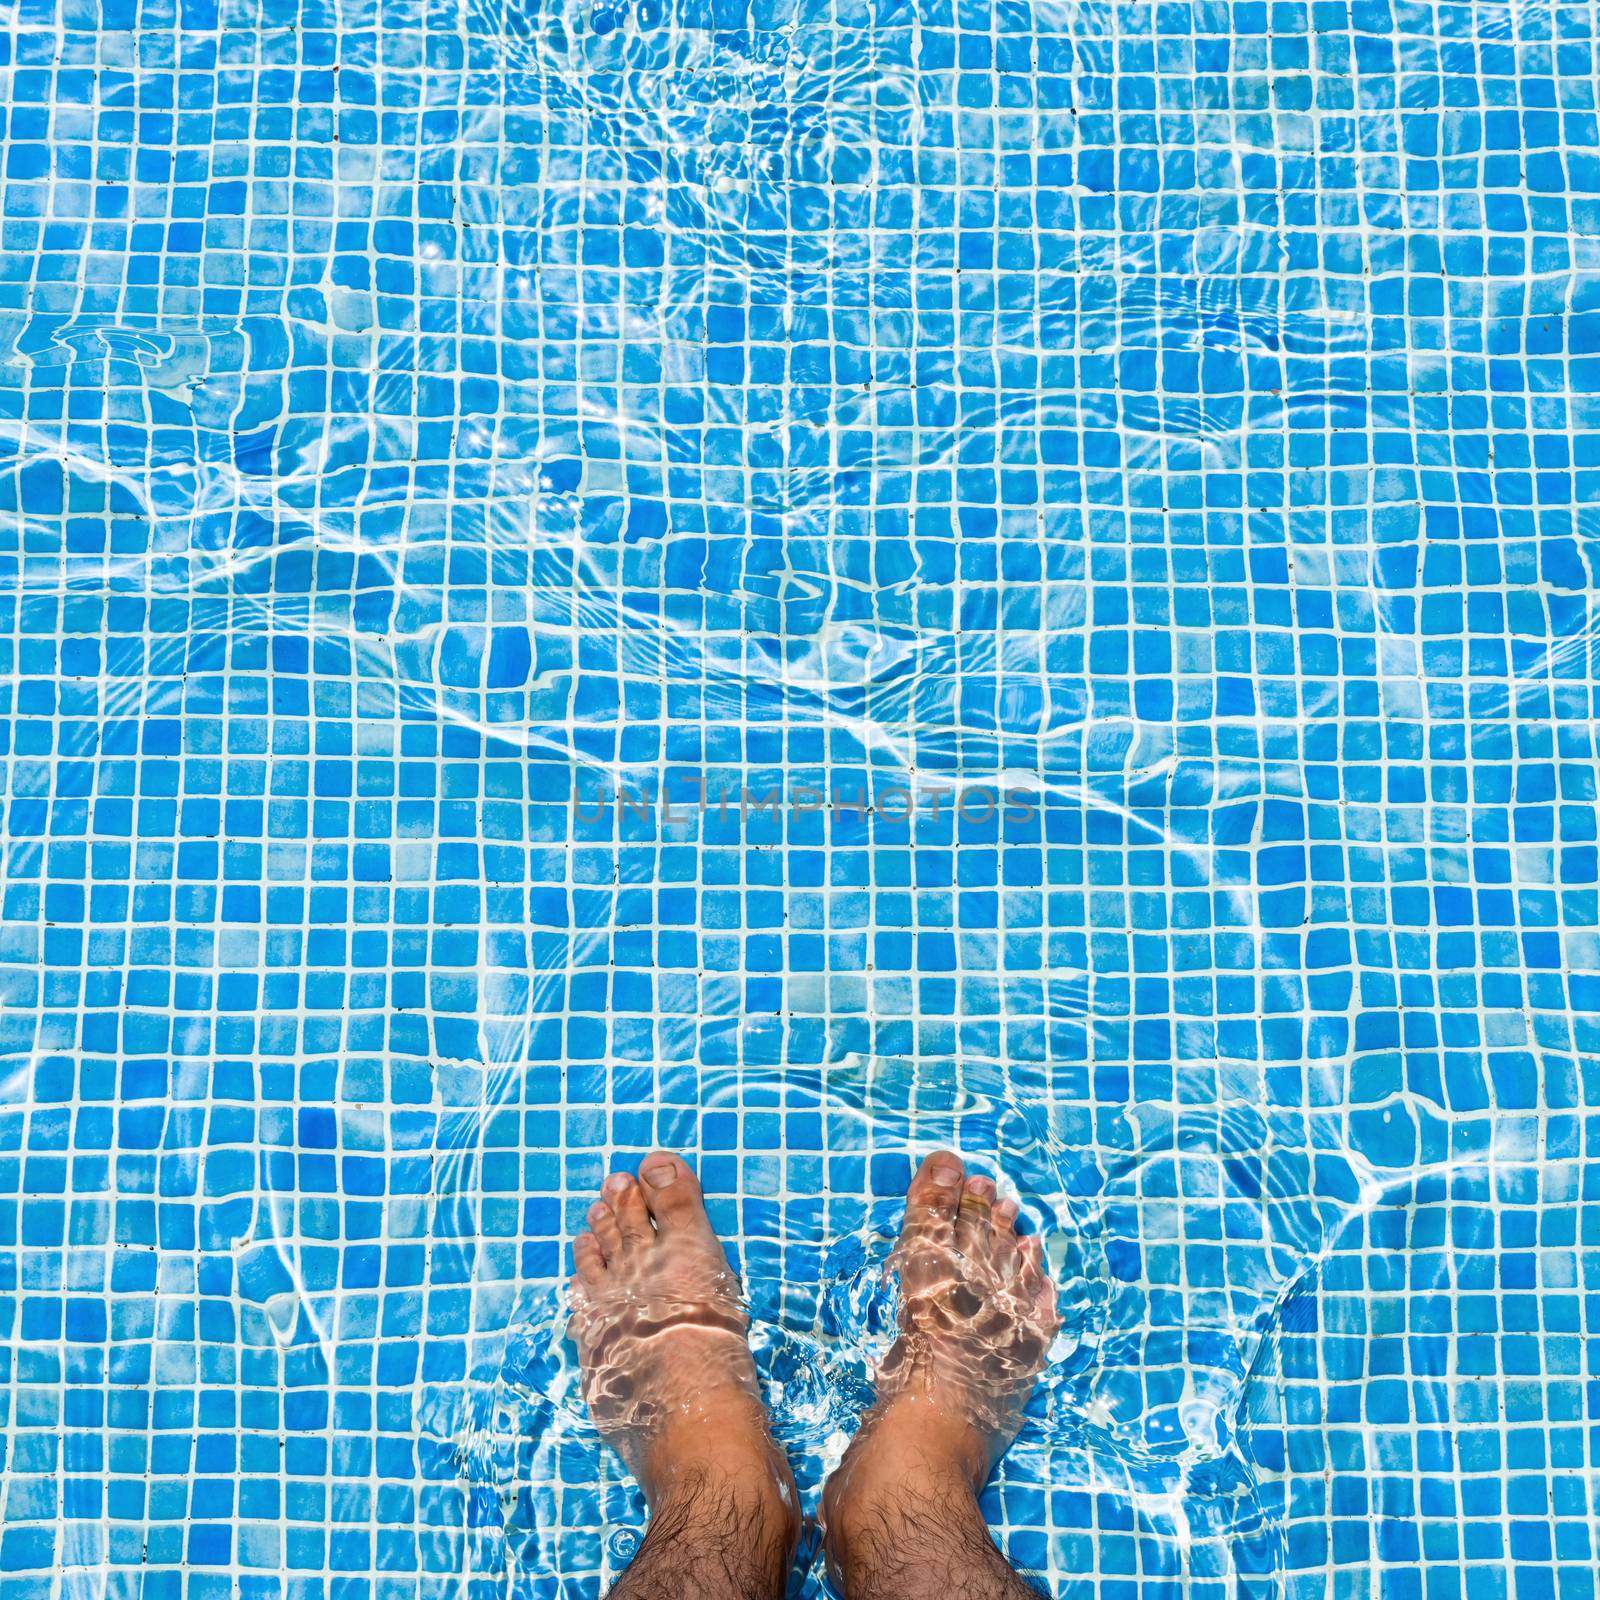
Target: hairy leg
(710,1537)
(914,1532)
(900,1515)
(669,1380)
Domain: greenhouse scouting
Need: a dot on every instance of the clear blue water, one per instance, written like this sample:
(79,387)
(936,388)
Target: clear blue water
(422,418)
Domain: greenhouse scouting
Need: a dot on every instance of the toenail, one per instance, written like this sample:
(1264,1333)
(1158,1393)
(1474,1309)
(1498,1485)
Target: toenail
(616,1183)
(660,1174)
(946,1177)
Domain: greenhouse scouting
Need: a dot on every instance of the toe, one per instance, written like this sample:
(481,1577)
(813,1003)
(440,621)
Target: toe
(1035,1278)
(627,1205)
(934,1194)
(607,1235)
(672,1193)
(972,1217)
(1003,1230)
(587,1258)
(1046,1302)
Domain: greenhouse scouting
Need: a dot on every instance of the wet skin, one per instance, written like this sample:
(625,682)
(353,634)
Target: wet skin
(659,1321)
(669,1380)
(977,1316)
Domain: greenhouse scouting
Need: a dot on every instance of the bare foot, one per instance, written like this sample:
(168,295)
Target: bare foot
(977,1315)
(659,1322)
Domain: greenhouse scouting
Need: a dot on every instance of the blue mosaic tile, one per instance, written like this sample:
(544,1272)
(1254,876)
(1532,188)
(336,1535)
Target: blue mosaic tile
(798,581)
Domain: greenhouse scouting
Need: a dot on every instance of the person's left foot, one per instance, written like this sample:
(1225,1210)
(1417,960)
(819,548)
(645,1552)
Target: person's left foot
(977,1315)
(660,1325)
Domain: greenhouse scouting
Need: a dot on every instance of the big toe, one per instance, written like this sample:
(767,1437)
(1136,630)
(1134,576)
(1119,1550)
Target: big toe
(934,1195)
(672,1192)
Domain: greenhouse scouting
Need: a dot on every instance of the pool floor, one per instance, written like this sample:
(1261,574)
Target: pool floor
(799,581)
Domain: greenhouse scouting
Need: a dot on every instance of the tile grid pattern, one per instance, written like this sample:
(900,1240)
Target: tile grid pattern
(417,411)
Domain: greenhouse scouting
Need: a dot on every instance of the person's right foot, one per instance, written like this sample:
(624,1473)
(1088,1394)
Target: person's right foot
(977,1315)
(670,1382)
(660,1327)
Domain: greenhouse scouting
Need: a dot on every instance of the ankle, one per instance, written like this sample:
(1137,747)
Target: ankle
(902,1455)
(907,1531)
(718,1526)
(748,1485)
(912,1432)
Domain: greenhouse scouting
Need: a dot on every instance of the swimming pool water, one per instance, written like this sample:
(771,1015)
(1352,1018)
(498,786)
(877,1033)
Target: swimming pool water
(1086,510)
